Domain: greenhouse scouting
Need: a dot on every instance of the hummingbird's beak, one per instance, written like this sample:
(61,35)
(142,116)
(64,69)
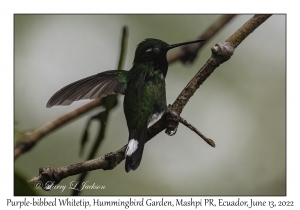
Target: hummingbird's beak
(171,46)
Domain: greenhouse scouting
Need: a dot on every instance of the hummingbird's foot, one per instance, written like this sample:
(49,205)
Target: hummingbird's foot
(172,122)
(173,119)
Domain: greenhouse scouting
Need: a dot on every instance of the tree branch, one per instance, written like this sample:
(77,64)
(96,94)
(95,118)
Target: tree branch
(220,53)
(190,126)
(189,52)
(30,139)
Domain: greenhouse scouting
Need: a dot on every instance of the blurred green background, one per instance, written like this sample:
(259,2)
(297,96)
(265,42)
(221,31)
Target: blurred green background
(241,106)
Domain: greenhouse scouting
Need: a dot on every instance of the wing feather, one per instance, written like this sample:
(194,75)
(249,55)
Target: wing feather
(96,86)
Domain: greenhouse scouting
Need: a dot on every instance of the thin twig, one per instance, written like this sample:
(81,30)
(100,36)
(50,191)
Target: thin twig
(220,53)
(190,126)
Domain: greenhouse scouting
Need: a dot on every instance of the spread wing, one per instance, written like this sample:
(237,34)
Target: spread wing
(96,86)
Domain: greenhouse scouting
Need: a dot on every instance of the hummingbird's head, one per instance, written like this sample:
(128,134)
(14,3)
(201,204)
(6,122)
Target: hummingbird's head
(150,50)
(155,50)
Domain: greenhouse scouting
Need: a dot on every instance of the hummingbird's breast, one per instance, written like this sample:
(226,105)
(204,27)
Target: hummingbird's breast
(158,85)
(145,98)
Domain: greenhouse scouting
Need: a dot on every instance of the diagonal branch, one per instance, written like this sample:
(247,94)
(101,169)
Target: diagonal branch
(190,126)
(32,138)
(220,53)
(188,53)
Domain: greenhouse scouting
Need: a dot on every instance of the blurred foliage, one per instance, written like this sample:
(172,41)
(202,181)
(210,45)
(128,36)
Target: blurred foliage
(17,133)
(21,186)
(109,103)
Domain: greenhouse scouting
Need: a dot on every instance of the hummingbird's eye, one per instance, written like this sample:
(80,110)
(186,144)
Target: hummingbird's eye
(156,50)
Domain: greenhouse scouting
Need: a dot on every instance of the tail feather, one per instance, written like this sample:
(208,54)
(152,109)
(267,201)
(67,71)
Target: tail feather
(135,147)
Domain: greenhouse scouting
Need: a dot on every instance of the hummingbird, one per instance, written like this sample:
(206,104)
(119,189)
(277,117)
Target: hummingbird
(144,89)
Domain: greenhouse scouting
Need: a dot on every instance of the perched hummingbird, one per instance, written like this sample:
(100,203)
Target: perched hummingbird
(144,89)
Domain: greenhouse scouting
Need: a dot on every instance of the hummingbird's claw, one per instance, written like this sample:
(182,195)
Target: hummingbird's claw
(171,132)
(172,123)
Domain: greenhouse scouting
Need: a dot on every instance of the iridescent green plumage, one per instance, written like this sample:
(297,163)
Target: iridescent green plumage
(143,100)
